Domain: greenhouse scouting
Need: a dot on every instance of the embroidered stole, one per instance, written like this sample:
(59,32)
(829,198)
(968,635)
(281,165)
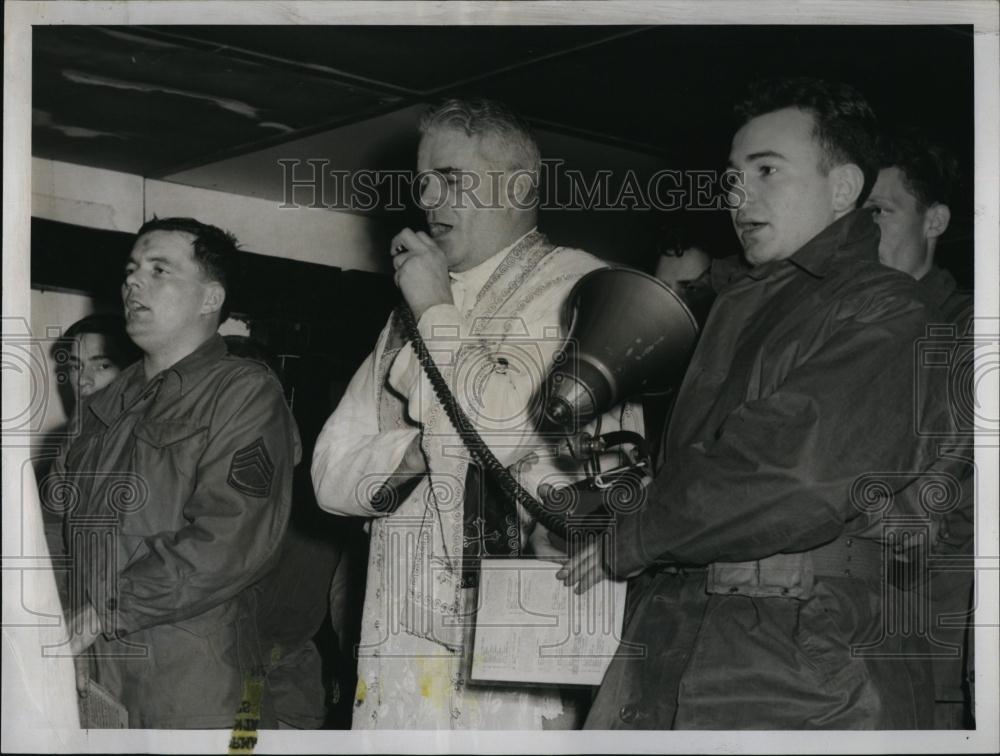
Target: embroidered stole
(434,559)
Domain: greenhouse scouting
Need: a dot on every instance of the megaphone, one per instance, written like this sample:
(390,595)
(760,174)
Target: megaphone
(629,334)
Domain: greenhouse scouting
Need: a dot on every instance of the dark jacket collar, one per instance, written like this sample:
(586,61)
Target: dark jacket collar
(853,236)
(939,284)
(190,369)
(113,400)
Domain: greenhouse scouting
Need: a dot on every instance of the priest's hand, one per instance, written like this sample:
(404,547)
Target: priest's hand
(421,271)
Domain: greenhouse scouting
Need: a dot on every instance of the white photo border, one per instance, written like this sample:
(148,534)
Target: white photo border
(20,16)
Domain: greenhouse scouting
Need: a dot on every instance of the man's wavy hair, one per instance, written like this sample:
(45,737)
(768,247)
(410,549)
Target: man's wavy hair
(480,117)
(845,125)
(930,172)
(216,251)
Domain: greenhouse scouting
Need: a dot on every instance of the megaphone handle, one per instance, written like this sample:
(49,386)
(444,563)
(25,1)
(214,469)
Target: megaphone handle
(470,436)
(619,437)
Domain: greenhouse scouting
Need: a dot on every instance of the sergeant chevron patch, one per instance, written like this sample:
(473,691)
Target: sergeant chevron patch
(252,470)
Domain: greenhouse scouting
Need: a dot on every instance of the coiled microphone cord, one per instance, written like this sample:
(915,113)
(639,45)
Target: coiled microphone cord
(553,521)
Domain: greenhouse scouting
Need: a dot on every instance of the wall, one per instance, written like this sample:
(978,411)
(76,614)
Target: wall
(115,201)
(327,237)
(120,202)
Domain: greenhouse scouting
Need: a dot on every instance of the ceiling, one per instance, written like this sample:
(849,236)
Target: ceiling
(158,100)
(217,106)
(154,101)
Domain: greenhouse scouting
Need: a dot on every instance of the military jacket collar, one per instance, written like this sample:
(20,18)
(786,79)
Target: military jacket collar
(180,376)
(845,238)
(939,285)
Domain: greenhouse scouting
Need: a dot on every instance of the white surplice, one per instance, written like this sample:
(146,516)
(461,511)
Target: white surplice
(494,346)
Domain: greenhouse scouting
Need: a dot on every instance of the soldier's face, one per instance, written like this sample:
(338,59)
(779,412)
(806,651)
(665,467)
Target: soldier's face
(788,195)
(165,291)
(903,223)
(90,365)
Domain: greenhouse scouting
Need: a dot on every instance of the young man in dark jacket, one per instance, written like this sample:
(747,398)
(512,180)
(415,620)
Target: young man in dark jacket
(794,444)
(177,494)
(911,202)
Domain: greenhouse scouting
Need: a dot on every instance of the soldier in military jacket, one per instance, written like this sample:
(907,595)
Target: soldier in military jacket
(176,494)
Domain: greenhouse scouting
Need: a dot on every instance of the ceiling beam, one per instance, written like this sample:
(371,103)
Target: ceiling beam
(254,56)
(407,97)
(529,62)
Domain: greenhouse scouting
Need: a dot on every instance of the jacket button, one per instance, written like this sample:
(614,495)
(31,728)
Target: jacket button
(111,604)
(627,713)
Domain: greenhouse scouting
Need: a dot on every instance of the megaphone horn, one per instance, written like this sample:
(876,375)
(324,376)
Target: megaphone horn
(629,334)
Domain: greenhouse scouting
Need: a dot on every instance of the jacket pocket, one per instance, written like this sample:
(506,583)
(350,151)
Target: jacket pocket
(831,622)
(167,454)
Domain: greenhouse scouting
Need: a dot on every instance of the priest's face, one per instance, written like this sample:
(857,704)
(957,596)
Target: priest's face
(467,194)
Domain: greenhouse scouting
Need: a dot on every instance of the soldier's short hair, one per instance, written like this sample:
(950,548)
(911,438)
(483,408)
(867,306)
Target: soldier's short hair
(930,172)
(845,125)
(215,250)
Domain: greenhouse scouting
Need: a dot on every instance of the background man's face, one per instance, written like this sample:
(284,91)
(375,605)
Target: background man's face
(901,219)
(467,234)
(164,290)
(789,199)
(90,365)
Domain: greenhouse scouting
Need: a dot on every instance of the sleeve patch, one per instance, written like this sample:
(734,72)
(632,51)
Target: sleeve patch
(251,470)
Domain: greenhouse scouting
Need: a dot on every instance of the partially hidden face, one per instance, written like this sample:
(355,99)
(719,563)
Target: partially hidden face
(465,193)
(678,272)
(91,365)
(904,224)
(165,291)
(787,196)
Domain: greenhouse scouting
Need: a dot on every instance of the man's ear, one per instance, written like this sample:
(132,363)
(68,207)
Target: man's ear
(215,295)
(936,220)
(847,181)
